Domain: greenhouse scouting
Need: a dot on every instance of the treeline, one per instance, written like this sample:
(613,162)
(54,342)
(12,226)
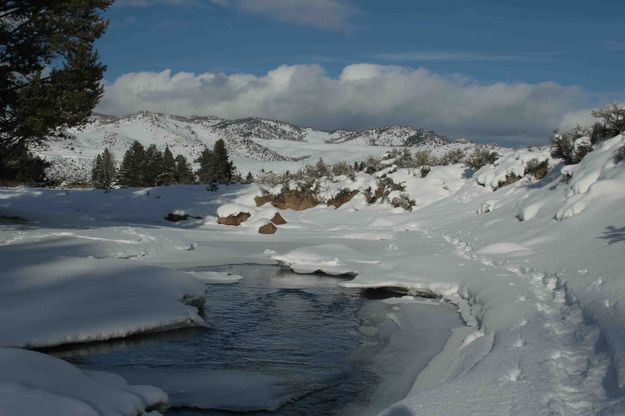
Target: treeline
(150,167)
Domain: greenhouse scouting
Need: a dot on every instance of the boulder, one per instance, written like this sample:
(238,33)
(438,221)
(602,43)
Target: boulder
(268,228)
(177,216)
(342,197)
(295,200)
(278,219)
(234,219)
(263,199)
(289,199)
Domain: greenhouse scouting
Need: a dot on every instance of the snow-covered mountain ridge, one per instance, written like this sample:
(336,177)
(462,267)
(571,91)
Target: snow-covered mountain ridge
(254,144)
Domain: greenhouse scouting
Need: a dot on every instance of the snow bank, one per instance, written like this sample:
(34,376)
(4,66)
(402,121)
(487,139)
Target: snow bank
(231,209)
(322,258)
(37,384)
(512,163)
(229,390)
(86,299)
(595,179)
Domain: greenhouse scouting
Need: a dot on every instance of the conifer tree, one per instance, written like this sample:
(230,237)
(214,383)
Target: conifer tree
(249,178)
(168,168)
(131,172)
(153,171)
(206,173)
(223,167)
(109,171)
(183,173)
(97,172)
(49,74)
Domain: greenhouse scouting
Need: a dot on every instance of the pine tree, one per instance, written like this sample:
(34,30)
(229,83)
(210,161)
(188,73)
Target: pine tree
(183,173)
(131,172)
(50,74)
(97,172)
(109,171)
(249,178)
(153,173)
(168,175)
(224,168)
(207,171)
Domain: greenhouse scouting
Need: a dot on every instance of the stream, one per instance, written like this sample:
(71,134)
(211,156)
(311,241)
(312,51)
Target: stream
(283,343)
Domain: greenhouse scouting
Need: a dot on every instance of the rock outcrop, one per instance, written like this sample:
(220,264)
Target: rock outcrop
(278,219)
(342,197)
(268,228)
(177,216)
(235,219)
(290,199)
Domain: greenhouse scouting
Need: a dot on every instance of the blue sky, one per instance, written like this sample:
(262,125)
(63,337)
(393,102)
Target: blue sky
(575,47)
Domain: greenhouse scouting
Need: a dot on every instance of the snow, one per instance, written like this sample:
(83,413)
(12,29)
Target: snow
(87,299)
(534,268)
(229,390)
(32,383)
(511,163)
(255,145)
(227,210)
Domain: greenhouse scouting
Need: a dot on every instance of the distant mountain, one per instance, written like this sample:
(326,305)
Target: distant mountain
(254,144)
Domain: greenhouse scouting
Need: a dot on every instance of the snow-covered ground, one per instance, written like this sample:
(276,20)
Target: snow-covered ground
(536,269)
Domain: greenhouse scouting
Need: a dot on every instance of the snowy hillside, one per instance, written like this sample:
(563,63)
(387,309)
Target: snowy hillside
(254,144)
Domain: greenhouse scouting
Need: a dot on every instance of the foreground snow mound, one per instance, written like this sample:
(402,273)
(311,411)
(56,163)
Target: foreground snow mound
(49,300)
(36,384)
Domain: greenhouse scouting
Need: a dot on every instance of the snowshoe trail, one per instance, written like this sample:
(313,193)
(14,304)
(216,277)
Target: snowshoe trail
(576,368)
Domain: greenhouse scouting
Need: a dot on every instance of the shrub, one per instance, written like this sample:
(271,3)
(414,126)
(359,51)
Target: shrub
(537,169)
(341,168)
(452,157)
(481,157)
(613,116)
(403,201)
(371,165)
(422,158)
(568,146)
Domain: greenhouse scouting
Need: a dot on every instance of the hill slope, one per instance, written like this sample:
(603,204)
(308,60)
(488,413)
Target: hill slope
(254,144)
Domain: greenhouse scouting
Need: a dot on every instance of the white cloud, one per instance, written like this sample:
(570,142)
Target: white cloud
(325,14)
(363,95)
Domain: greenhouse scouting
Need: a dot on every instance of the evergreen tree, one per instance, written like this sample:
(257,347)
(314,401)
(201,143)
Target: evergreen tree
(131,172)
(103,173)
(109,171)
(183,173)
(223,167)
(153,173)
(50,74)
(207,171)
(249,178)
(168,177)
(97,172)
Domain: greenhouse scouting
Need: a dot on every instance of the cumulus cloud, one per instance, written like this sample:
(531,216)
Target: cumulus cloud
(325,14)
(363,95)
